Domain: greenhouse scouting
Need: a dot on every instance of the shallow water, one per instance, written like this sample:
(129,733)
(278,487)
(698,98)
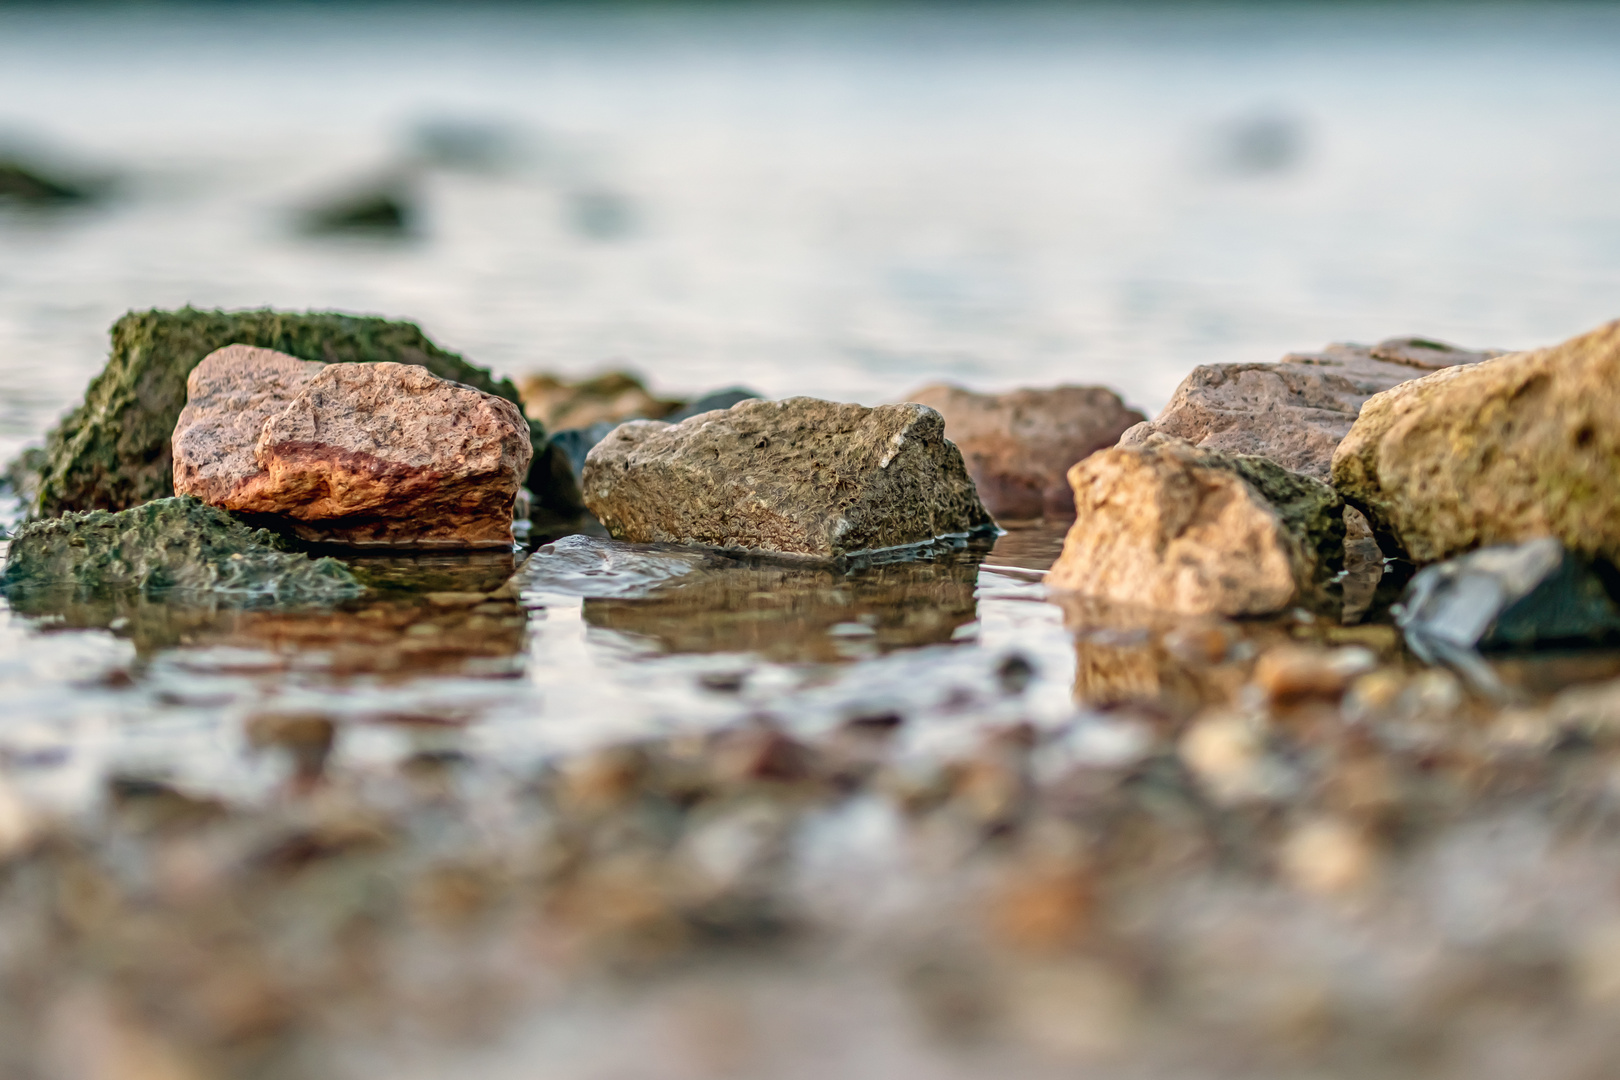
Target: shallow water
(659,813)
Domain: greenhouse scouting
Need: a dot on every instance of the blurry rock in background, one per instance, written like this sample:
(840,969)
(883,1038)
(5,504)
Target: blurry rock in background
(601,214)
(464,144)
(615,396)
(383,208)
(30,180)
(1018,446)
(1264,143)
(575,443)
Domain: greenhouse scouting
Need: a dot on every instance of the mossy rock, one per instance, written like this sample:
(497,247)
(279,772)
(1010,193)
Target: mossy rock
(113,452)
(176,543)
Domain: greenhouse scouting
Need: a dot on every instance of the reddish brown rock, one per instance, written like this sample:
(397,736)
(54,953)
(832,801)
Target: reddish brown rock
(1296,411)
(1018,446)
(368,455)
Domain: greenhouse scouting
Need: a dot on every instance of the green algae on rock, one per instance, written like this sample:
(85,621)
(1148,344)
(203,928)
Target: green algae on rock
(1170,526)
(176,543)
(113,451)
(1500,452)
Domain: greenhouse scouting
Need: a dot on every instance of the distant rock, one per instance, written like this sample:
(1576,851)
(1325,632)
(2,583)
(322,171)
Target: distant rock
(177,543)
(795,477)
(1018,446)
(1511,596)
(113,451)
(386,210)
(1294,411)
(368,455)
(616,396)
(1522,446)
(1169,526)
(24,183)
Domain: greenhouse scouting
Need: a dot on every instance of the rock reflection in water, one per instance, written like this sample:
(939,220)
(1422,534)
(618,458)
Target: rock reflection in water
(429,615)
(794,613)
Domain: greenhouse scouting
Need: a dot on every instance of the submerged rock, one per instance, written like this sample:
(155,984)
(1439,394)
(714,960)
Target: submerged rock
(1523,446)
(1170,526)
(1295,411)
(113,451)
(1018,446)
(178,543)
(368,455)
(1535,593)
(795,477)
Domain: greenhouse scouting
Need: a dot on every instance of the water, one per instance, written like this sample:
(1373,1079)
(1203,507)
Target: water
(654,814)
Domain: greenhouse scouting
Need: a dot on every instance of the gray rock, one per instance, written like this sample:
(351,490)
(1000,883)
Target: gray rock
(170,544)
(719,399)
(1296,411)
(796,477)
(1511,596)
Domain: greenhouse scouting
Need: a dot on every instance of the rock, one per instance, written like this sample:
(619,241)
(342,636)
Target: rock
(616,396)
(576,443)
(1535,593)
(1295,411)
(383,210)
(794,477)
(113,451)
(369,455)
(177,543)
(1522,446)
(1018,446)
(27,184)
(1167,525)
(1290,674)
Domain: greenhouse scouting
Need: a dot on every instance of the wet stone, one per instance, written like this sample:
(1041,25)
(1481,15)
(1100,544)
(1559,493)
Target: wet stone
(171,544)
(797,477)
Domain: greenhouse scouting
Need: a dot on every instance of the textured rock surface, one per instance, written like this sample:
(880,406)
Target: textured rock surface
(1018,446)
(382,454)
(177,543)
(798,477)
(1294,411)
(1166,525)
(1522,446)
(113,451)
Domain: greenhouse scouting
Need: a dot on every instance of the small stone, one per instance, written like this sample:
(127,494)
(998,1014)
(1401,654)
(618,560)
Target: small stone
(1292,673)
(1296,411)
(18,824)
(795,477)
(1328,857)
(177,543)
(1513,449)
(368,455)
(1530,594)
(1165,525)
(1018,446)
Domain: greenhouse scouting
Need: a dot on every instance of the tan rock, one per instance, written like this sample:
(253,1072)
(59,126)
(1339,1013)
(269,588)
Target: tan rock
(1294,411)
(795,477)
(1522,446)
(369,455)
(1018,446)
(615,396)
(1169,526)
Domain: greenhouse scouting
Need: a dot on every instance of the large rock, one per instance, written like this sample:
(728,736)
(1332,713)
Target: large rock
(113,451)
(1170,526)
(177,543)
(1294,411)
(369,455)
(1518,447)
(1018,446)
(794,477)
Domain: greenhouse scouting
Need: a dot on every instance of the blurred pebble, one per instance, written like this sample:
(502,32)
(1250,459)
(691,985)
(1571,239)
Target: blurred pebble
(1225,751)
(1042,908)
(1290,674)
(1077,1011)
(1328,857)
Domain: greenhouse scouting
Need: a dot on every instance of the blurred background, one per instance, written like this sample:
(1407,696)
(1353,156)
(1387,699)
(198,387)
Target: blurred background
(845,200)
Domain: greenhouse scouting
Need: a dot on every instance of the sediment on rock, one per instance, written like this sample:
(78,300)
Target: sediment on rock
(175,543)
(113,451)
(1018,446)
(796,477)
(1521,446)
(1167,525)
(1295,411)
